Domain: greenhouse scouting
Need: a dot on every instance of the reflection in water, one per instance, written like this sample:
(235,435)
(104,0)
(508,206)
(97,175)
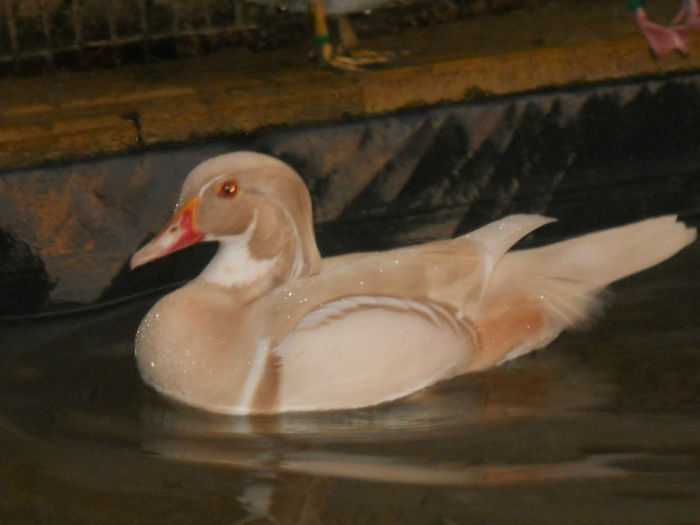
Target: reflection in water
(601,426)
(382,469)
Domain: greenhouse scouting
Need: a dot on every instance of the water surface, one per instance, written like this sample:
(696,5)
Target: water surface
(601,427)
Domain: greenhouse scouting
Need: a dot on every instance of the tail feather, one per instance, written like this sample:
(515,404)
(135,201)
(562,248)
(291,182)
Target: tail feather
(539,292)
(569,302)
(600,258)
(499,236)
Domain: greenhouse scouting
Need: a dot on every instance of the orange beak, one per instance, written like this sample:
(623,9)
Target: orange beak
(179,233)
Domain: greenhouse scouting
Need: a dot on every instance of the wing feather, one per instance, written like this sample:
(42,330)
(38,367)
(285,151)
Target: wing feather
(364,350)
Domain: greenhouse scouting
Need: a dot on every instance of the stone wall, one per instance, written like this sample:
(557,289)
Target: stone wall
(592,157)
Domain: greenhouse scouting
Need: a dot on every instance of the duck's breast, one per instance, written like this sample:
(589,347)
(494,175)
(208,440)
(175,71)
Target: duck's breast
(197,348)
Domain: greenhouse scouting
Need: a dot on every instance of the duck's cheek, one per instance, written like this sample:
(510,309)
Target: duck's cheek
(222,219)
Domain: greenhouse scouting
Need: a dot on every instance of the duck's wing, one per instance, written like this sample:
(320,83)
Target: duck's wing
(364,350)
(453,273)
(372,327)
(375,327)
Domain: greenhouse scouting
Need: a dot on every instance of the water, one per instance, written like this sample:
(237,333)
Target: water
(602,427)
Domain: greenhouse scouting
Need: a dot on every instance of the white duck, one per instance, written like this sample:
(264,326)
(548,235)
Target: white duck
(269,326)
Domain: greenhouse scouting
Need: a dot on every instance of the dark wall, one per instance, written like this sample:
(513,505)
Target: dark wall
(593,158)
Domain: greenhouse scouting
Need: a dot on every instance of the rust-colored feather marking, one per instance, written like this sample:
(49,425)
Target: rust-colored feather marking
(266,399)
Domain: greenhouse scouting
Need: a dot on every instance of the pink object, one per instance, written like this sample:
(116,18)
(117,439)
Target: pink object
(688,15)
(662,40)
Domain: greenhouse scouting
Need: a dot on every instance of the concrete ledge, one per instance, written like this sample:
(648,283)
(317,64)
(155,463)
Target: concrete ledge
(517,72)
(593,157)
(81,115)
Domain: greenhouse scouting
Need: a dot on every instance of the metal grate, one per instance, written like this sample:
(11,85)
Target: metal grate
(104,32)
(40,34)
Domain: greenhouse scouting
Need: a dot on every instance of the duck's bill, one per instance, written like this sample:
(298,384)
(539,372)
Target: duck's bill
(179,233)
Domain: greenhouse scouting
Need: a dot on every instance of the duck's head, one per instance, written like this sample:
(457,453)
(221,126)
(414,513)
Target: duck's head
(243,200)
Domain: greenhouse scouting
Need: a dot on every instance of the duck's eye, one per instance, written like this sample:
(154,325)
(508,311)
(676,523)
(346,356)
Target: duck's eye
(227,189)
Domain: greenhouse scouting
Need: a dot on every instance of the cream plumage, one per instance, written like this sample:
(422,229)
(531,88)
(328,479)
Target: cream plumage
(269,326)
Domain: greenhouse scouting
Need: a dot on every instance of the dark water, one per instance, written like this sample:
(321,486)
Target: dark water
(602,427)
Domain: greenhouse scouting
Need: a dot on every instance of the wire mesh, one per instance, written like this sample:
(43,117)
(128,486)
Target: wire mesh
(40,34)
(69,32)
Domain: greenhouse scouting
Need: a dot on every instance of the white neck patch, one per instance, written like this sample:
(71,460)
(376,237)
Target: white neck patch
(233,264)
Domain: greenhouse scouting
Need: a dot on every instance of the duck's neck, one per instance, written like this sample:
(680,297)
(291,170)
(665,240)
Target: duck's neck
(234,266)
(255,261)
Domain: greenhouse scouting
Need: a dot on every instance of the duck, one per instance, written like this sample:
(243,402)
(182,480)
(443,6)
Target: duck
(271,326)
(345,55)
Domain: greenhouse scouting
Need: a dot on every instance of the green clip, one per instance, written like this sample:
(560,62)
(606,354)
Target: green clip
(322,40)
(633,5)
